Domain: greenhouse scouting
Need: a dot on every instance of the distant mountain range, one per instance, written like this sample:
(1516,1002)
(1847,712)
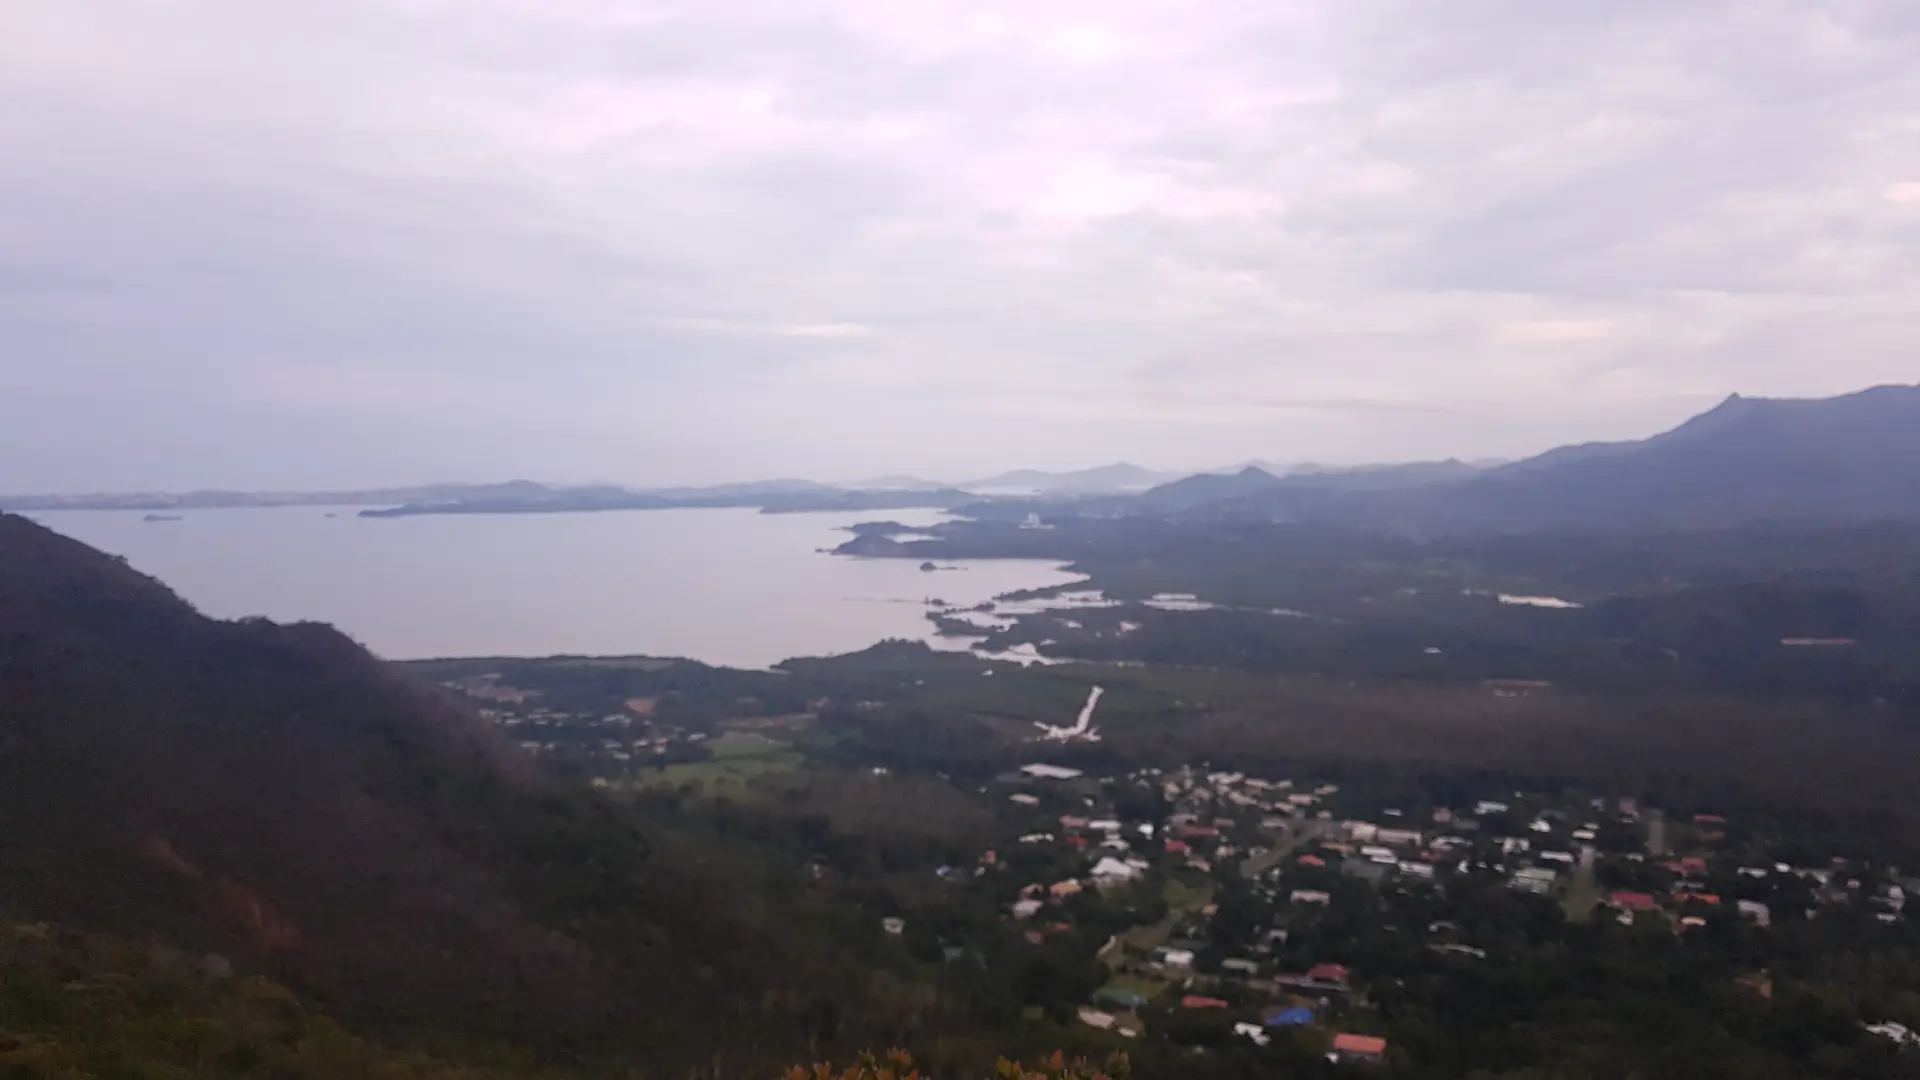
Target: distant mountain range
(527,496)
(1855,457)
(1102,480)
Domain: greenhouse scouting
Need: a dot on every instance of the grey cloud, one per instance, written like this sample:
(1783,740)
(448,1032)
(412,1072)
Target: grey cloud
(575,239)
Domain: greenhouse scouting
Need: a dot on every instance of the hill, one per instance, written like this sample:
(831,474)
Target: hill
(277,795)
(1101,480)
(1850,458)
(1844,459)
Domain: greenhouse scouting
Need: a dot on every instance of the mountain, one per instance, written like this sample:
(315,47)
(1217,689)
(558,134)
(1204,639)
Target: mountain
(1102,480)
(1306,492)
(1851,458)
(1855,457)
(215,499)
(1205,489)
(900,482)
(276,795)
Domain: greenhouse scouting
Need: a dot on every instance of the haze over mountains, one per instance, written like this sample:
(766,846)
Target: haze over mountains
(1850,457)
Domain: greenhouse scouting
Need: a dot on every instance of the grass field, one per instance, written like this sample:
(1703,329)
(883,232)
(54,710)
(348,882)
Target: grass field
(736,761)
(1146,986)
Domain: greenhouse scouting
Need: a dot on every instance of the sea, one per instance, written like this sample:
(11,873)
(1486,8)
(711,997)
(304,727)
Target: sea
(730,587)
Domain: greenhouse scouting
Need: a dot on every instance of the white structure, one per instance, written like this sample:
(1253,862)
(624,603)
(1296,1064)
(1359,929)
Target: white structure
(1537,880)
(1050,772)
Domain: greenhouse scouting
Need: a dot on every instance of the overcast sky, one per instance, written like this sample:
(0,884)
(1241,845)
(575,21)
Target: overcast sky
(343,242)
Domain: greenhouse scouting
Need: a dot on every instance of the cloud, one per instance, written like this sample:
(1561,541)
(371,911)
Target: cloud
(858,236)
(1554,331)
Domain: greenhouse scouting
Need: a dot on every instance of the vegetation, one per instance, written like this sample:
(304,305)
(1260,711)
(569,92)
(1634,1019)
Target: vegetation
(264,853)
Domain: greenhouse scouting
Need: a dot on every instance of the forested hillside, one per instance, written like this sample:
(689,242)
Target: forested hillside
(275,795)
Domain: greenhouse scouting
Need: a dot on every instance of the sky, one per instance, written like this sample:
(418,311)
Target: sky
(318,243)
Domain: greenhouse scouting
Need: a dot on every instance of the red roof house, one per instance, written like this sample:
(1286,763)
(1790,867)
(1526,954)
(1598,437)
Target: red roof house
(1359,1049)
(1192,1001)
(1329,974)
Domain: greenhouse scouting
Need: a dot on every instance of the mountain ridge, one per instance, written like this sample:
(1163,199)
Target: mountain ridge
(1853,457)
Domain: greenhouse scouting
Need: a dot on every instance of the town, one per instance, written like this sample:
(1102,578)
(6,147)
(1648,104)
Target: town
(1202,906)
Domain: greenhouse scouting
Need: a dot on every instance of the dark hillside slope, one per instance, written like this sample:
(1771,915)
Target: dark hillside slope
(277,794)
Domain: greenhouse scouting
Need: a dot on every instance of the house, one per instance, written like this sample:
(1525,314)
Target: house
(1298,1016)
(1024,799)
(1537,880)
(1757,911)
(1358,1050)
(1312,860)
(1094,1018)
(1050,772)
(1417,869)
(1398,837)
(1177,847)
(1113,871)
(1311,896)
(1195,1001)
(1370,872)
(1065,888)
(1633,901)
(1026,909)
(1175,958)
(1486,807)
(894,926)
(1068,821)
(1253,1031)
(1240,966)
(1329,976)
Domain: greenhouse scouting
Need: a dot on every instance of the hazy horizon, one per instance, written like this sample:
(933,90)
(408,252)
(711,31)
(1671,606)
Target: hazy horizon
(386,242)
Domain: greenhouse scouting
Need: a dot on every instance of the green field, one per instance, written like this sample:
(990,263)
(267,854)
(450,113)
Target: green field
(736,761)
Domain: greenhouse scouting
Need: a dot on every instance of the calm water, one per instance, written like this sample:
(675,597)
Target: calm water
(729,587)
